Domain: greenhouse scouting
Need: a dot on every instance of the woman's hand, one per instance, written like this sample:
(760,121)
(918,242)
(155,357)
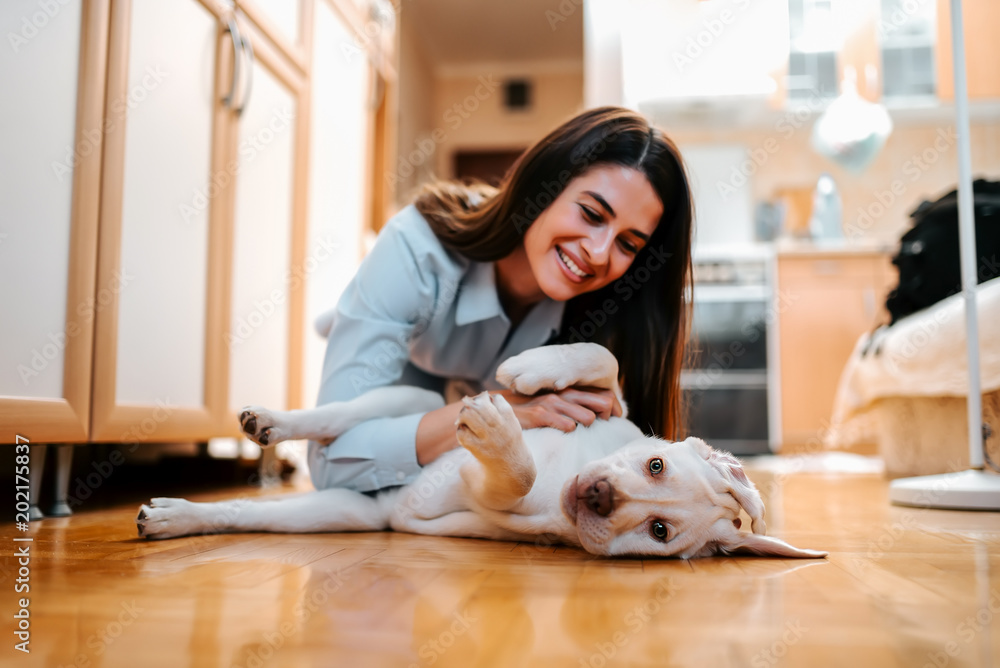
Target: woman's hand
(563,409)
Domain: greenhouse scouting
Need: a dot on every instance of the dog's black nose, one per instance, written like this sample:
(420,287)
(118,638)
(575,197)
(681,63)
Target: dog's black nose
(600,498)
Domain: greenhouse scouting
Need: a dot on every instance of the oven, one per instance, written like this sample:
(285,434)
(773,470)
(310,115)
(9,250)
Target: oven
(726,380)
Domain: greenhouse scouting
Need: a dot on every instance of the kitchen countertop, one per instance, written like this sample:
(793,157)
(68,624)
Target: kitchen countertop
(838,247)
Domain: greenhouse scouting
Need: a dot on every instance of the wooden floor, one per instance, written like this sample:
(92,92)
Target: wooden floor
(902,587)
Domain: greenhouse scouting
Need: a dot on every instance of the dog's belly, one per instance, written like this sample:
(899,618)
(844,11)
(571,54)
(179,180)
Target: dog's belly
(558,456)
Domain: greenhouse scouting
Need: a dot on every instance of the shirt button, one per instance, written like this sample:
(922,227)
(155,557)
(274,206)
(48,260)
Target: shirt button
(400,475)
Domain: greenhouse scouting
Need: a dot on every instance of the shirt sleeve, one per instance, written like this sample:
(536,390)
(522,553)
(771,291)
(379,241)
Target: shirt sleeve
(390,299)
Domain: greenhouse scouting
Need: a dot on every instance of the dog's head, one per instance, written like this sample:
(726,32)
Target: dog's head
(661,499)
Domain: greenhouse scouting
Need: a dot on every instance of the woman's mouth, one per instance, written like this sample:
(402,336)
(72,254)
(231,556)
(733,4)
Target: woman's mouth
(570,267)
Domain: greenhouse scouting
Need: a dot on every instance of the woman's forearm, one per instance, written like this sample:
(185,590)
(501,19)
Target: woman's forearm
(436,433)
(562,410)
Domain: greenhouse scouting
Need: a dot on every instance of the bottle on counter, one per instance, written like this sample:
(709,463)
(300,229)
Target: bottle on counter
(827,211)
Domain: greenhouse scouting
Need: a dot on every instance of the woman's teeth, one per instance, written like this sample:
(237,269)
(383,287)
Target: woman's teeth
(572,265)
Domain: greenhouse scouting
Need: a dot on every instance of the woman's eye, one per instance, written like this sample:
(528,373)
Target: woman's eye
(628,246)
(659,530)
(655,466)
(590,214)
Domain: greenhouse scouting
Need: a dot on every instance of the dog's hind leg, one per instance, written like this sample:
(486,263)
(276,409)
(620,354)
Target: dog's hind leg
(559,367)
(329,510)
(325,423)
(503,470)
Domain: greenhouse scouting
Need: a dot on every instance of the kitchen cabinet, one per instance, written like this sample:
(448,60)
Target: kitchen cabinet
(250,252)
(675,54)
(859,56)
(49,181)
(981,23)
(870,25)
(49,206)
(284,22)
(824,301)
(159,338)
(213,168)
(732,62)
(269,219)
(354,98)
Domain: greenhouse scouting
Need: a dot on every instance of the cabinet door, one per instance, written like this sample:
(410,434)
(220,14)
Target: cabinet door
(285,22)
(339,165)
(824,305)
(268,219)
(680,52)
(53,76)
(859,55)
(159,336)
(868,26)
(980,22)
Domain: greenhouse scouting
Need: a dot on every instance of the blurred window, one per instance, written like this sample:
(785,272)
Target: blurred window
(812,60)
(906,33)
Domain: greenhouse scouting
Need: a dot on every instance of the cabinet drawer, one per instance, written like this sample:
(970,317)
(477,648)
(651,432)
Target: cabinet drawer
(831,270)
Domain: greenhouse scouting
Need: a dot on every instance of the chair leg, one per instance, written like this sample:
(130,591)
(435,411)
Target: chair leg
(64,463)
(37,453)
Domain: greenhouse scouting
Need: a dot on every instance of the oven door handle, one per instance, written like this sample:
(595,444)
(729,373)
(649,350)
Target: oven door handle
(700,380)
(731,293)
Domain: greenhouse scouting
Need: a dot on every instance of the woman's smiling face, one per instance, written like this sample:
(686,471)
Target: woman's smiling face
(588,237)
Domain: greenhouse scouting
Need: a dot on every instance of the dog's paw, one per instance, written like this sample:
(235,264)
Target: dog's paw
(487,424)
(261,426)
(534,370)
(169,518)
(559,367)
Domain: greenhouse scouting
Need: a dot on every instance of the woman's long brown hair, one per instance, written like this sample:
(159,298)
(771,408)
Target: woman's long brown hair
(643,318)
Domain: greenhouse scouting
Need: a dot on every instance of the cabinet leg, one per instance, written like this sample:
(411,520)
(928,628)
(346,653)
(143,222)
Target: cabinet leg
(64,463)
(37,453)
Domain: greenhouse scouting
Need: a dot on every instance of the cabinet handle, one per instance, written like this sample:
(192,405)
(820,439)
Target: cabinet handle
(247,48)
(234,33)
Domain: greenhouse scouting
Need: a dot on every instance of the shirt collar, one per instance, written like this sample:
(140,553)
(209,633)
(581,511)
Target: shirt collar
(478,300)
(477,296)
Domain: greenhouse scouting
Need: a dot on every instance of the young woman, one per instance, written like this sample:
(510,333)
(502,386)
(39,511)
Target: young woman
(588,237)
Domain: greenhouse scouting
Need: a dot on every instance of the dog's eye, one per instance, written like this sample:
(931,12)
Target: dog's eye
(659,530)
(656,466)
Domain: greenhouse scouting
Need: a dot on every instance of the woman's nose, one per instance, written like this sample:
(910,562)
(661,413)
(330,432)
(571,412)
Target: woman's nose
(597,246)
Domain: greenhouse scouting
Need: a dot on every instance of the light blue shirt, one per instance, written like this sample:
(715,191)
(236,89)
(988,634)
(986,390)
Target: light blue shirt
(415,314)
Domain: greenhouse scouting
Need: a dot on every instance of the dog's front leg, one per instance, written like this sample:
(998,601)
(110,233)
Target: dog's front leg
(503,470)
(559,367)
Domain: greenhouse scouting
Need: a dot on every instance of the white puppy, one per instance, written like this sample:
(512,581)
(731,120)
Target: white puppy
(606,487)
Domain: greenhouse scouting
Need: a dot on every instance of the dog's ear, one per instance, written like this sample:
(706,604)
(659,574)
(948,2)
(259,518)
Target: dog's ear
(732,541)
(736,481)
